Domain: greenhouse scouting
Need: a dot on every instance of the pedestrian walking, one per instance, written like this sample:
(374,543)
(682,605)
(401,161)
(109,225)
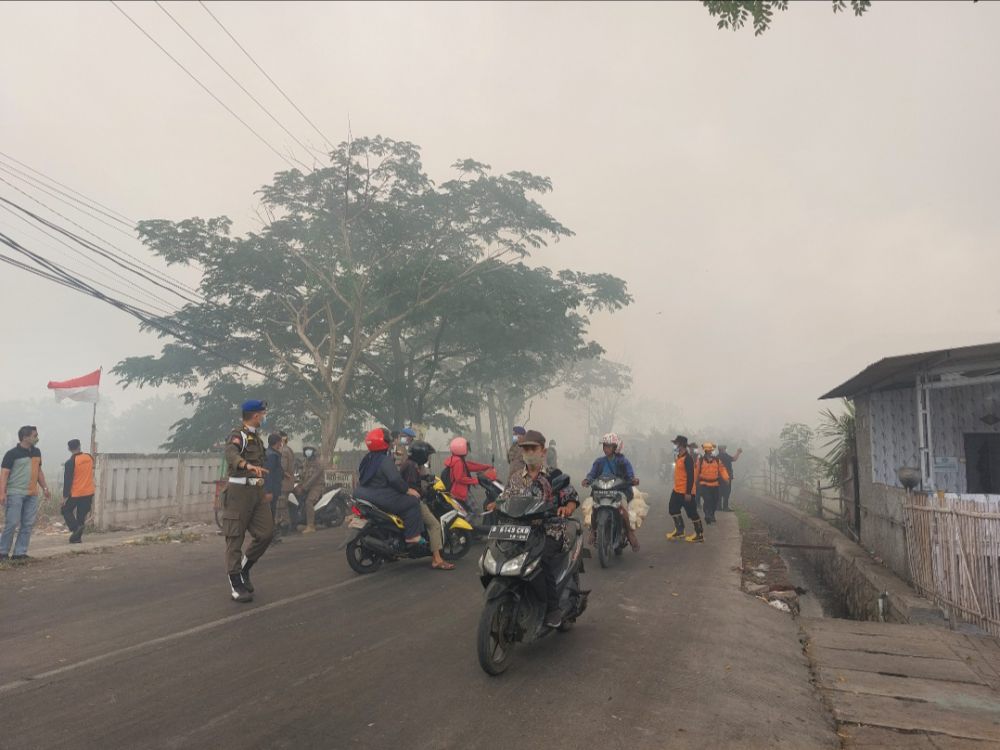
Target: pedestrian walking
(20,477)
(727,487)
(244,508)
(78,490)
(709,474)
(683,495)
(273,480)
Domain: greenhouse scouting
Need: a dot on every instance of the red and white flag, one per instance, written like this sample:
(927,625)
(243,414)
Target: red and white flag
(78,389)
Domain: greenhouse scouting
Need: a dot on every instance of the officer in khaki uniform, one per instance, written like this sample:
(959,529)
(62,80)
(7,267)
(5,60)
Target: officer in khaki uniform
(244,508)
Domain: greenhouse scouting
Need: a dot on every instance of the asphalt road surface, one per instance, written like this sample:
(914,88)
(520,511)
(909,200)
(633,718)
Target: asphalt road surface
(141,647)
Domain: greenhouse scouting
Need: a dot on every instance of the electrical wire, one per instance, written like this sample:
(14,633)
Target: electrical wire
(233,78)
(122,216)
(171,285)
(207,90)
(329,143)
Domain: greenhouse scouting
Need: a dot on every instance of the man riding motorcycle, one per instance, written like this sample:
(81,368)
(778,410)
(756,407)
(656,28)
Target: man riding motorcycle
(413,473)
(614,463)
(536,480)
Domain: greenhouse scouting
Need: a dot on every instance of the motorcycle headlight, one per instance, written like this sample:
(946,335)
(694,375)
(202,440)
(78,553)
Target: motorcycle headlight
(488,563)
(531,566)
(513,566)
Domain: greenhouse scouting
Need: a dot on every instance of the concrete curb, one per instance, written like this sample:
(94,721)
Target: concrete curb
(848,569)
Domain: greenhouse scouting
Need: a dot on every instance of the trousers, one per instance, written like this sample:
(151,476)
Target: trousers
(245,510)
(75,511)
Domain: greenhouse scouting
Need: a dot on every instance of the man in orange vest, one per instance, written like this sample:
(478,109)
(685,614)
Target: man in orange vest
(683,496)
(710,473)
(78,490)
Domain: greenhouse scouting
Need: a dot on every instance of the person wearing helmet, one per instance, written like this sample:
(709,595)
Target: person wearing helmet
(380,483)
(414,474)
(403,439)
(460,470)
(709,473)
(613,463)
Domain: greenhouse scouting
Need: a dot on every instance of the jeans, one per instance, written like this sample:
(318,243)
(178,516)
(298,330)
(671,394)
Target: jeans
(21,512)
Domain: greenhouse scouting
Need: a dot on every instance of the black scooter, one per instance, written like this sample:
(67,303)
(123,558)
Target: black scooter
(510,571)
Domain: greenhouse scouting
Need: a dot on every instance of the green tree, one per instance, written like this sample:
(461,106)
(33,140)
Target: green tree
(734,14)
(352,252)
(794,454)
(839,435)
(603,386)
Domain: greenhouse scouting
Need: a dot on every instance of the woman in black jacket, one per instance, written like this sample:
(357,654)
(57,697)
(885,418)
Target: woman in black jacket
(380,483)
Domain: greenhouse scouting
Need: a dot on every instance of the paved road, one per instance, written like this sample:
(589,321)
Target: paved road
(140,647)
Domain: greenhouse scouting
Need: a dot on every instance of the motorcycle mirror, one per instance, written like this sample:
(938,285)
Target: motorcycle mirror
(561,482)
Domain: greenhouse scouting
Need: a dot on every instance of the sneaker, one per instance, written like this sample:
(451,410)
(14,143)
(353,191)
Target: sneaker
(238,589)
(20,558)
(245,573)
(75,537)
(553,619)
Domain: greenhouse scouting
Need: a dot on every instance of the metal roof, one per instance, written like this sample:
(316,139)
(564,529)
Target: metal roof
(902,371)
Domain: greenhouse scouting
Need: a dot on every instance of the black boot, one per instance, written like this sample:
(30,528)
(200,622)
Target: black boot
(245,574)
(239,589)
(699,533)
(678,532)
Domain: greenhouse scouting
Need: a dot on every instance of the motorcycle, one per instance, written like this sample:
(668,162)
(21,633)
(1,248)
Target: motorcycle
(331,509)
(457,539)
(378,536)
(483,521)
(510,571)
(606,518)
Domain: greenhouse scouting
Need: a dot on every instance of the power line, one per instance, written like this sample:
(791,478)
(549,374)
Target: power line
(67,187)
(273,83)
(164,308)
(156,272)
(234,80)
(203,86)
(131,267)
(37,184)
(53,272)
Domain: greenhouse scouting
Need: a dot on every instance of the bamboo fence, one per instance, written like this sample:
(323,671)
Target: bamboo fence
(953,547)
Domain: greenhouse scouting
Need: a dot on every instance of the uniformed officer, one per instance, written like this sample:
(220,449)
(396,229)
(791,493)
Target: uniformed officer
(244,508)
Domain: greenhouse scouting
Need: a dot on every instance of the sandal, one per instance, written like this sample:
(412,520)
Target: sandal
(444,565)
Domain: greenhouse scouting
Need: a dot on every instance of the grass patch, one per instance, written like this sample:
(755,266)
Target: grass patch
(743,518)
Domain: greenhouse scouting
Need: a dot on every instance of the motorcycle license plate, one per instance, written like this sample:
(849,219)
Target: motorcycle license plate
(510,532)
(357,523)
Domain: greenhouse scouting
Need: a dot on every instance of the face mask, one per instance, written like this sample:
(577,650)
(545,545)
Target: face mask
(533,460)
(513,439)
(250,428)
(309,454)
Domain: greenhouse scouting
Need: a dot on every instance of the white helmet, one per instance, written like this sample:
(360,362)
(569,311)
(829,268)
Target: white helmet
(612,439)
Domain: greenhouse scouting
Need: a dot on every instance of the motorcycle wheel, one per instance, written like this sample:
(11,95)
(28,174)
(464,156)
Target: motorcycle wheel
(456,544)
(360,559)
(491,643)
(605,539)
(335,517)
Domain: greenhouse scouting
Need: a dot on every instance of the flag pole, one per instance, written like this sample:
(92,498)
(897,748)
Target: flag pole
(93,425)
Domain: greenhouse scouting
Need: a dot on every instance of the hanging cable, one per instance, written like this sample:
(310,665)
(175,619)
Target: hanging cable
(232,78)
(203,86)
(329,143)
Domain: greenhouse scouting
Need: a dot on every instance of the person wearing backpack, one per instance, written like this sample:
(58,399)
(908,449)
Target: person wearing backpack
(458,474)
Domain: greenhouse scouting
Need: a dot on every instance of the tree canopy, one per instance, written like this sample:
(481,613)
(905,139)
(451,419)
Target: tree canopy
(371,293)
(734,14)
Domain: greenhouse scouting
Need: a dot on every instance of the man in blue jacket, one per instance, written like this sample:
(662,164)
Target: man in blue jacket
(613,463)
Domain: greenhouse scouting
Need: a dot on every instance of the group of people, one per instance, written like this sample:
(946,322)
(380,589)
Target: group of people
(21,479)
(700,477)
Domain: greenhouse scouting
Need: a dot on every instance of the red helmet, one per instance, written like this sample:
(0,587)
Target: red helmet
(377,439)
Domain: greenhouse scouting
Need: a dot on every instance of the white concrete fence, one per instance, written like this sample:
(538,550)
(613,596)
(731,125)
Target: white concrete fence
(135,489)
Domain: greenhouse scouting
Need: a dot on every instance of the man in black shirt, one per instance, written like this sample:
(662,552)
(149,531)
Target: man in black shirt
(727,487)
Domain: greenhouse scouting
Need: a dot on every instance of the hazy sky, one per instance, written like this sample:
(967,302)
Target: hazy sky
(809,201)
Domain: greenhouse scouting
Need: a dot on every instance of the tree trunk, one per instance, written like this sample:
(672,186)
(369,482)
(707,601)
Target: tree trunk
(330,421)
(494,427)
(480,445)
